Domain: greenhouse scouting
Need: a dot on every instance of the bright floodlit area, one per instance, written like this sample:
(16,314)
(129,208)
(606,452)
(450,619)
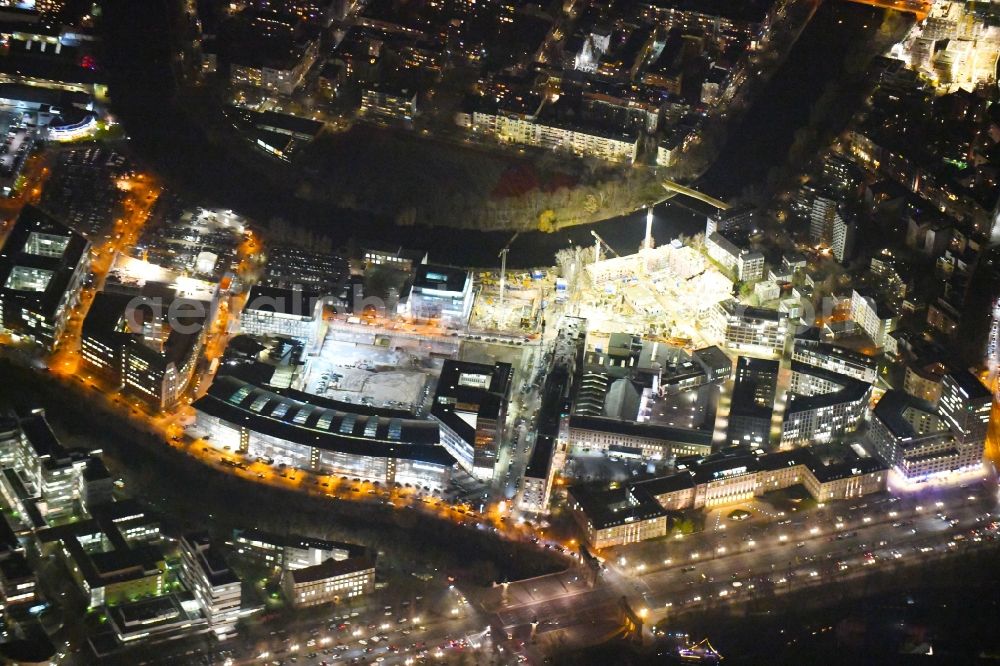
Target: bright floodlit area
(381,374)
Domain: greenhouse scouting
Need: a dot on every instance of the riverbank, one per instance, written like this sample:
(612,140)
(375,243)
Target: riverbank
(193,496)
(164,136)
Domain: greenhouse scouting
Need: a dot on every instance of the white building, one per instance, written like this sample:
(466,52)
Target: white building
(389,102)
(291,313)
(835,359)
(753,330)
(442,293)
(822,405)
(917,442)
(524,129)
(214,585)
(873,316)
(330,582)
(747,265)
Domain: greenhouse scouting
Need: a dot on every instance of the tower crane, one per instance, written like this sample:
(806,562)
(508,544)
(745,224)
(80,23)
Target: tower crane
(503,267)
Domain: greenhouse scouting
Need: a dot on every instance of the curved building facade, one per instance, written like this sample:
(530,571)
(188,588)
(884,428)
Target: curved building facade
(323,439)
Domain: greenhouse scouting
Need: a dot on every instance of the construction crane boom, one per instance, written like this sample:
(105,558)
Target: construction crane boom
(503,267)
(604,243)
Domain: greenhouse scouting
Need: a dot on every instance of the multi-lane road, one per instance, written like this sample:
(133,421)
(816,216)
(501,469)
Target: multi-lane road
(739,562)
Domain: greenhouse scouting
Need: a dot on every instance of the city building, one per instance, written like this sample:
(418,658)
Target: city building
(923,380)
(148,344)
(292,313)
(526,129)
(42,478)
(844,233)
(291,551)
(395,256)
(154,619)
(617,516)
(822,213)
(752,403)
(916,442)
(873,316)
(645,396)
(471,406)
(441,293)
(389,101)
(43,265)
(826,356)
(268,50)
(290,267)
(753,330)
(747,265)
(965,406)
(548,457)
(322,435)
(822,405)
(742,219)
(330,582)
(18,583)
(215,587)
(113,556)
(637,511)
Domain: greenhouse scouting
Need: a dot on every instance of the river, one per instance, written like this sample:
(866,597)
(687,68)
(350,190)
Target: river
(142,88)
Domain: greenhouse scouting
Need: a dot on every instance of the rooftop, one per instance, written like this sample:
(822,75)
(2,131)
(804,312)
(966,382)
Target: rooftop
(609,507)
(37,264)
(264,411)
(332,568)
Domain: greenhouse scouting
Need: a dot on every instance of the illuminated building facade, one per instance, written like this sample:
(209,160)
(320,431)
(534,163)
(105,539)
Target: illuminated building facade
(330,582)
(441,293)
(214,585)
(43,265)
(753,330)
(290,551)
(471,405)
(637,511)
(152,350)
(322,437)
(292,313)
(922,444)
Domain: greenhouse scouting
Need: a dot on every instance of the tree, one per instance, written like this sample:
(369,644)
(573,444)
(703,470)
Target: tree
(547,220)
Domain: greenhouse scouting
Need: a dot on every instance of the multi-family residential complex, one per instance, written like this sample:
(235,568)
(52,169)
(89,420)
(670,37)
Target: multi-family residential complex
(746,264)
(527,130)
(836,359)
(822,405)
(752,330)
(874,317)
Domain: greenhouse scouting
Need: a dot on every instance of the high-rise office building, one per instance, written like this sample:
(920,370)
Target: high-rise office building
(965,405)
